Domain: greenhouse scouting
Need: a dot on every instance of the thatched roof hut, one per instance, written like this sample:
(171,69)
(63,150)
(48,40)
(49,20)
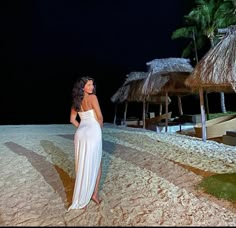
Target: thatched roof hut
(131,91)
(165,67)
(216,71)
(135,76)
(176,84)
(121,94)
(169,65)
(135,82)
(167,77)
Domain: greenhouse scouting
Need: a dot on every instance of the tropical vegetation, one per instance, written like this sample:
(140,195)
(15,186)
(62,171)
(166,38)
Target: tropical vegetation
(202,26)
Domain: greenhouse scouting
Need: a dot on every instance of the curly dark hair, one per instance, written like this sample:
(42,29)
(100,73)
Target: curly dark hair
(78,92)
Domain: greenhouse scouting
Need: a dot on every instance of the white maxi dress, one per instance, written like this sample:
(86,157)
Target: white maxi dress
(88,154)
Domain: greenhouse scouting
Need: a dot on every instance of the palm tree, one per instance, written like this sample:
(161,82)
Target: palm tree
(203,23)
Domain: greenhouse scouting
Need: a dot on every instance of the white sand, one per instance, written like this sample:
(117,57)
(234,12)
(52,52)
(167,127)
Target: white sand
(148,179)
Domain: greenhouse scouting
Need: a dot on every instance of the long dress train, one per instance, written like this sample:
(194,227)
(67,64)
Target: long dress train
(88,154)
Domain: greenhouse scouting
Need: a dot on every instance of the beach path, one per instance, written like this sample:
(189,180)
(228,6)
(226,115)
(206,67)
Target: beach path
(148,179)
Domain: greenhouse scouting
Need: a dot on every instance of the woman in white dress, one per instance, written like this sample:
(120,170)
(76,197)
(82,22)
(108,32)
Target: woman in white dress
(87,142)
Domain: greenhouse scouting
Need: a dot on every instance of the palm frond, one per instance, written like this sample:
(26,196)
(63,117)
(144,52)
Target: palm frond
(185,32)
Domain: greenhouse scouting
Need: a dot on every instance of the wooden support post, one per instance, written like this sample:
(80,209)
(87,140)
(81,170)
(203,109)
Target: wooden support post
(166,120)
(144,114)
(203,117)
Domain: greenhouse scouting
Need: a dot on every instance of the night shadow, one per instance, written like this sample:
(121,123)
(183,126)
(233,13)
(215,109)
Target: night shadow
(1,221)
(67,136)
(109,148)
(58,156)
(55,176)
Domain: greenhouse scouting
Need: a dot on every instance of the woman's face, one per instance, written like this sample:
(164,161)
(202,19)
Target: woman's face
(88,88)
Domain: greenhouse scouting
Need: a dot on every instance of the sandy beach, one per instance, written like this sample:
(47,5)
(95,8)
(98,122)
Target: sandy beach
(148,179)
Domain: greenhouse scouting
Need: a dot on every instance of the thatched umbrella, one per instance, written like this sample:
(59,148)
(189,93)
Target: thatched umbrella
(121,94)
(169,65)
(131,91)
(216,71)
(168,75)
(135,76)
(175,86)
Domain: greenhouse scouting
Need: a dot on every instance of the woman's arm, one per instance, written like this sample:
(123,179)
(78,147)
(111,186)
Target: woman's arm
(96,107)
(73,115)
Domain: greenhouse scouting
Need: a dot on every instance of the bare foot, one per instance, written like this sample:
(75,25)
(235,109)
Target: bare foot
(96,200)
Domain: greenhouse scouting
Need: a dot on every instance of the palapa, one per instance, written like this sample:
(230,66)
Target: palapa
(135,81)
(131,91)
(131,88)
(135,76)
(164,67)
(216,71)
(170,65)
(167,76)
(121,94)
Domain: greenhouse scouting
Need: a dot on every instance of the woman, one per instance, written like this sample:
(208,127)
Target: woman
(87,142)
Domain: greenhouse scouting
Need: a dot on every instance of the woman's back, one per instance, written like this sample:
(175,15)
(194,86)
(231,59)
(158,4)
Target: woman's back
(88,115)
(90,102)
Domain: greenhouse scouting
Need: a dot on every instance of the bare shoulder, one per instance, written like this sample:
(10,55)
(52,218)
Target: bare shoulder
(92,97)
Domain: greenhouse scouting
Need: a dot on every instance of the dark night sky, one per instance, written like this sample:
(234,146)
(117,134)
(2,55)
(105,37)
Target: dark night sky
(47,44)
